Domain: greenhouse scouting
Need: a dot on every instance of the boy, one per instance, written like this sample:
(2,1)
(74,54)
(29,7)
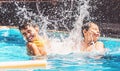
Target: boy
(90,43)
(35,43)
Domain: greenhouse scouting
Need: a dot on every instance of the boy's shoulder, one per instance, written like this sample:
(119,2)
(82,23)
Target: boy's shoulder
(100,46)
(99,42)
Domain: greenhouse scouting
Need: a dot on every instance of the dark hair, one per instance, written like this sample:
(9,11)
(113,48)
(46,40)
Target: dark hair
(86,27)
(24,26)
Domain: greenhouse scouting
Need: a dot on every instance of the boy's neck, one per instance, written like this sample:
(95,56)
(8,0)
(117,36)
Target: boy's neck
(88,43)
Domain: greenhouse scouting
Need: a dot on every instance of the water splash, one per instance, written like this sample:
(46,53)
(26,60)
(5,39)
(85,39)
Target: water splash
(83,14)
(72,43)
(64,16)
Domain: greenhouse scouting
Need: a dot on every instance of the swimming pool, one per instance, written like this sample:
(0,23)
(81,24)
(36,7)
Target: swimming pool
(12,48)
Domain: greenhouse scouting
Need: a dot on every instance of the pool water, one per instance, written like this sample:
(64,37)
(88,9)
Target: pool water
(12,48)
(12,45)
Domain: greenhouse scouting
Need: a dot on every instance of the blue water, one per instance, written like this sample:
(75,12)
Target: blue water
(12,48)
(12,45)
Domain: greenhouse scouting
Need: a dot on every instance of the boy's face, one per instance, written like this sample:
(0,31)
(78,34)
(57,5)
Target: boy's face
(93,33)
(29,33)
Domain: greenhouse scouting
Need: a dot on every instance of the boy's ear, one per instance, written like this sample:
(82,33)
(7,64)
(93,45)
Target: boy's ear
(84,31)
(37,29)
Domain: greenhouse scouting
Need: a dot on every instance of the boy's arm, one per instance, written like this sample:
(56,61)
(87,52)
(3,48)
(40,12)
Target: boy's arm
(100,47)
(33,49)
(42,51)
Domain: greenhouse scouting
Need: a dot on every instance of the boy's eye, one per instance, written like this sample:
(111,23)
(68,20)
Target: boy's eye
(29,31)
(24,34)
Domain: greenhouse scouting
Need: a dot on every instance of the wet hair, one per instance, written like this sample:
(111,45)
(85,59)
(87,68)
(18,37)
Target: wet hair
(24,26)
(86,27)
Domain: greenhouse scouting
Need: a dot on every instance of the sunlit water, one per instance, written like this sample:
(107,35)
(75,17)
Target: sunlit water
(12,48)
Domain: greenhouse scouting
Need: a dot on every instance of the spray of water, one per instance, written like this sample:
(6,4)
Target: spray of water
(83,13)
(62,16)
(72,43)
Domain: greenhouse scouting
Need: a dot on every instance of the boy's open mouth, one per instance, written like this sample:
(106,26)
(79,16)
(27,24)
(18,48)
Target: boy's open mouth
(30,37)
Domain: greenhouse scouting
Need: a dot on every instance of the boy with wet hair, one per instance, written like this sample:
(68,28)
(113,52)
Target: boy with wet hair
(90,43)
(35,43)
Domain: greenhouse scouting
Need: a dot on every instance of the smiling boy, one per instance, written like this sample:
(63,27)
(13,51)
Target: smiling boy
(35,43)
